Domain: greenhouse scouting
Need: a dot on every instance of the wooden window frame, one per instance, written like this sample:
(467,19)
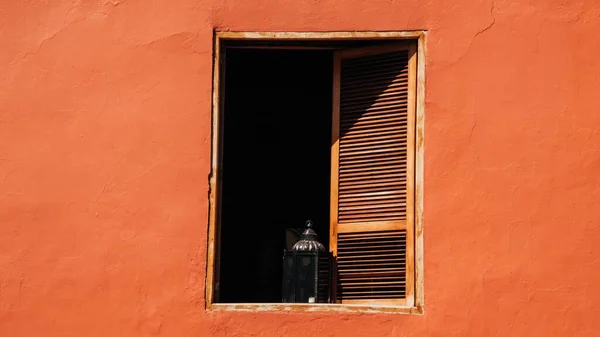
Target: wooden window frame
(412,306)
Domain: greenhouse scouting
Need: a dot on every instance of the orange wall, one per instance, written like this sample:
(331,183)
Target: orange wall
(104,161)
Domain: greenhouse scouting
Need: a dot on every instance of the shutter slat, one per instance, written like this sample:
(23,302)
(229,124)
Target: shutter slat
(360,269)
(372,84)
(355,159)
(372,200)
(362,133)
(366,257)
(355,68)
(370,111)
(375,170)
(392,189)
(367,118)
(372,147)
(368,273)
(353,218)
(373,179)
(365,134)
(373,236)
(384,67)
(368,60)
(380,293)
(371,88)
(351,181)
(379,168)
(351,124)
(368,216)
(398,275)
(373,206)
(384,190)
(374,182)
(390,70)
(382,183)
(373,75)
(371,151)
(378,94)
(384,103)
(368,89)
(358,245)
(373,195)
(379,246)
(373,123)
(372,285)
(358,165)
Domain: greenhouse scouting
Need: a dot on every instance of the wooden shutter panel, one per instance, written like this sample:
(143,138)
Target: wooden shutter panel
(372,185)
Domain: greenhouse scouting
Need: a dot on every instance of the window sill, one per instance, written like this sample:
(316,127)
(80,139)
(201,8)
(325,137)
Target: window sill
(301,307)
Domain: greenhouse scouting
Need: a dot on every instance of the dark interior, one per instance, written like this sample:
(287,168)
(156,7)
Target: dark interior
(276,157)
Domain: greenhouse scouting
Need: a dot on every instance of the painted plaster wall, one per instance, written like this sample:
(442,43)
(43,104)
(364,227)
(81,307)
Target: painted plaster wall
(104,161)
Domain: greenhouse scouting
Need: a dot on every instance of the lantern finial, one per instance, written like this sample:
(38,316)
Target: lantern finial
(308,240)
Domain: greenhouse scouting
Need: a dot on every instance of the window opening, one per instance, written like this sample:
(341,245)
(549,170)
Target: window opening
(319,130)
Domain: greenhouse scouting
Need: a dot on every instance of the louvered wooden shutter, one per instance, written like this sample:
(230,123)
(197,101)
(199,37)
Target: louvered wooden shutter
(372,185)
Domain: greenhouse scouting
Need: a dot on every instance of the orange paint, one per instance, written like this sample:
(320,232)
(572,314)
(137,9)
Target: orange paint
(105,154)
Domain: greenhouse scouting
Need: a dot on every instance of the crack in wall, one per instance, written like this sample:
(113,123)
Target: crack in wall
(480,32)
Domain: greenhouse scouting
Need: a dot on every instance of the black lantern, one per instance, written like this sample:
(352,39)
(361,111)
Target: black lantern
(307,270)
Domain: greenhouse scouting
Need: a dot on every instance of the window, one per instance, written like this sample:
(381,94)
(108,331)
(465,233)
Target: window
(320,126)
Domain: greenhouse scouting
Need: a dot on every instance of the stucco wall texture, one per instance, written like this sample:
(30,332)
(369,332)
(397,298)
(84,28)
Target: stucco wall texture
(104,163)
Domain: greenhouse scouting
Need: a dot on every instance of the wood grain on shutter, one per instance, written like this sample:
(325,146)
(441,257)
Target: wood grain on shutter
(372,192)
